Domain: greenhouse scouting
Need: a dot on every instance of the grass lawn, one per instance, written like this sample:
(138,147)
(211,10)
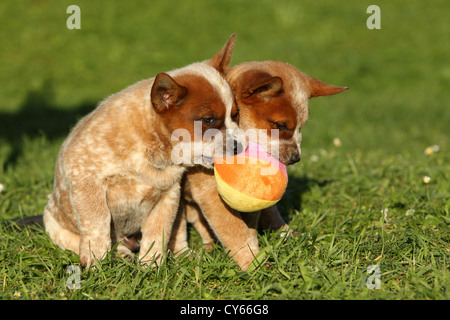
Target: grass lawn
(359,203)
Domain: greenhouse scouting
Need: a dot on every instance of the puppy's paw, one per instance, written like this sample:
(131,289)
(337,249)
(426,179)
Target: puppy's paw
(287,232)
(92,251)
(247,259)
(124,252)
(184,252)
(149,258)
(259,260)
(178,248)
(148,263)
(209,246)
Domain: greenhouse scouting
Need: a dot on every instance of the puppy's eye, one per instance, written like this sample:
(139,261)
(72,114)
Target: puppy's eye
(208,120)
(280,126)
(235,112)
(235,116)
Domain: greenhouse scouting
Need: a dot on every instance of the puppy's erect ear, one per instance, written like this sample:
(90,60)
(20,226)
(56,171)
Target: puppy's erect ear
(264,86)
(221,61)
(319,88)
(166,93)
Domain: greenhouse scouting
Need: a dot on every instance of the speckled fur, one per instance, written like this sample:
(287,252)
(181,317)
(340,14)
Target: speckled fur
(114,174)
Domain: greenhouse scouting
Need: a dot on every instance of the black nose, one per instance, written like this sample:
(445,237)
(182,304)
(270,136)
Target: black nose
(237,147)
(294,158)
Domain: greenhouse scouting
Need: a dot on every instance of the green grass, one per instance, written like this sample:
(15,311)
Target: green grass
(361,204)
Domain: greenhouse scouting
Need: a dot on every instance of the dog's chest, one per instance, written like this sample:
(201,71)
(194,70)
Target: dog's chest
(131,198)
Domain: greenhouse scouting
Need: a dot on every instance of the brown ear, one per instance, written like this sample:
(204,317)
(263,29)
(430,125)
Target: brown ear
(166,93)
(264,86)
(319,88)
(221,61)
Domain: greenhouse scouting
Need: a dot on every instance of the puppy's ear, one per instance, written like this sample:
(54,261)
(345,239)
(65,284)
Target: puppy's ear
(166,93)
(264,86)
(319,88)
(221,61)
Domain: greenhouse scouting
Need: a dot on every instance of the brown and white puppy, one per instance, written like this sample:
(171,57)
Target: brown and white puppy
(270,95)
(115,176)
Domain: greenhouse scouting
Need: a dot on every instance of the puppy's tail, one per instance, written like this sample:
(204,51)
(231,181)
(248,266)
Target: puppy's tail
(22,222)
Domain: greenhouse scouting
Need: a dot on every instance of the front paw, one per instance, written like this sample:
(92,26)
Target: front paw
(245,258)
(260,260)
(149,257)
(287,232)
(92,251)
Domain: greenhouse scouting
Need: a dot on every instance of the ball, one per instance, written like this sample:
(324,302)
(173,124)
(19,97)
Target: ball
(250,181)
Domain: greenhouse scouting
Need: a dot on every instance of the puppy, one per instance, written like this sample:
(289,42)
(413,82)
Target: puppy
(269,95)
(115,175)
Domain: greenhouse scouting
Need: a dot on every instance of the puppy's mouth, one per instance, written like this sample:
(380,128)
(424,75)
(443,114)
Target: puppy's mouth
(286,157)
(289,159)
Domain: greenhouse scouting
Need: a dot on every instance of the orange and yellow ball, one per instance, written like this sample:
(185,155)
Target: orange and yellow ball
(250,181)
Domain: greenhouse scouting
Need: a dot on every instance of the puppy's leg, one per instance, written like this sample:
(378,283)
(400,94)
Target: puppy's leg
(251,219)
(271,219)
(188,212)
(89,201)
(232,231)
(157,227)
(228,225)
(195,217)
(178,239)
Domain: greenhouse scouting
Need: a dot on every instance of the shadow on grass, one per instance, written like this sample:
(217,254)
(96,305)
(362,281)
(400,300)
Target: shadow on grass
(292,199)
(38,116)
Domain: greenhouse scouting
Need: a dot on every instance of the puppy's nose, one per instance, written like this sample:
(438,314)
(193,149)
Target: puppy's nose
(294,158)
(235,141)
(234,146)
(237,147)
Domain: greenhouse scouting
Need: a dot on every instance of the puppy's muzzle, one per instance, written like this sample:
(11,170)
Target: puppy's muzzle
(236,146)
(235,142)
(295,157)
